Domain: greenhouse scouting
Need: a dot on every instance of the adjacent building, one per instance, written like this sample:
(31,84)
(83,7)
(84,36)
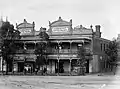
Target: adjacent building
(1,23)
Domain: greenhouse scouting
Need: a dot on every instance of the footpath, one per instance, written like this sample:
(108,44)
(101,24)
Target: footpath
(101,74)
(61,74)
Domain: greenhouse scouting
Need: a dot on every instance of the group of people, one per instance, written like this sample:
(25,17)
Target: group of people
(43,71)
(28,69)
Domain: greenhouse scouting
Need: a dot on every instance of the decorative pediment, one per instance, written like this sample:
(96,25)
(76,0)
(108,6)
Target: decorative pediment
(25,24)
(26,28)
(60,22)
(22,25)
(60,27)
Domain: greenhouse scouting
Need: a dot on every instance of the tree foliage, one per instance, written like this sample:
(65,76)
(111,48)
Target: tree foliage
(8,32)
(41,47)
(44,36)
(81,56)
(112,51)
(8,36)
(40,52)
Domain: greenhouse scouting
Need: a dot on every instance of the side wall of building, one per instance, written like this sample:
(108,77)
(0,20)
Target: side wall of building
(99,56)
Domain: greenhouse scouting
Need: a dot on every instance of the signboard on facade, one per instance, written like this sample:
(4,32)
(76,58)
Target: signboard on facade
(61,56)
(68,55)
(30,59)
(60,29)
(19,58)
(25,31)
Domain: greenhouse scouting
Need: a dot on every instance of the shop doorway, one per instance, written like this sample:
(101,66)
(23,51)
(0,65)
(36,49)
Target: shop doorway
(87,66)
(20,66)
(28,67)
(61,67)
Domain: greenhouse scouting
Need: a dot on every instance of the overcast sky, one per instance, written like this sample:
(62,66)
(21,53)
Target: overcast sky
(82,12)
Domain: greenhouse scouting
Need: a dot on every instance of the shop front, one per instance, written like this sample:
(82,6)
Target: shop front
(24,64)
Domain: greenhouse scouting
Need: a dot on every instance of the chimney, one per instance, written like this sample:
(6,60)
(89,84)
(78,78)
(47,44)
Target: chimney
(98,33)
(97,28)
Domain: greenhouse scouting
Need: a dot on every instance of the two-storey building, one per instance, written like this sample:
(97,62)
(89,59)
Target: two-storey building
(63,48)
(65,41)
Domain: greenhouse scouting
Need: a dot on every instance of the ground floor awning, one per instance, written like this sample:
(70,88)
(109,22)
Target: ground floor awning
(65,57)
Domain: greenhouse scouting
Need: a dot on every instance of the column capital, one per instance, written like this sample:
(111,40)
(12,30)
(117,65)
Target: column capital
(70,41)
(70,59)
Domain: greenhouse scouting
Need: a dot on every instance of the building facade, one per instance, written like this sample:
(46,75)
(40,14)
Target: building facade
(62,53)
(69,39)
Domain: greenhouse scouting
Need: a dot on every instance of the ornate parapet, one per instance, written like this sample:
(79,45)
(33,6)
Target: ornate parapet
(26,28)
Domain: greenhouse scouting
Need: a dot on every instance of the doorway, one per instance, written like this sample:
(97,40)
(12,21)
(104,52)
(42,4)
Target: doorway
(87,66)
(61,69)
(20,66)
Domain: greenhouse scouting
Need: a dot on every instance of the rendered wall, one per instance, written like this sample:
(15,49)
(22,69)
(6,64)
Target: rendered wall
(94,64)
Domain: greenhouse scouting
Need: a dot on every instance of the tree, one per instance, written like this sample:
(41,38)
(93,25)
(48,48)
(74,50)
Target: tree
(9,35)
(41,49)
(40,52)
(44,36)
(112,53)
(81,59)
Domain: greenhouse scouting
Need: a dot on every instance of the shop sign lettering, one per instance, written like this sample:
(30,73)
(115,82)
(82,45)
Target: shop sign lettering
(60,29)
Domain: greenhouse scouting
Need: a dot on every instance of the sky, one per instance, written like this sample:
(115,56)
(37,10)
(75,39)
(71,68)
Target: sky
(82,12)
